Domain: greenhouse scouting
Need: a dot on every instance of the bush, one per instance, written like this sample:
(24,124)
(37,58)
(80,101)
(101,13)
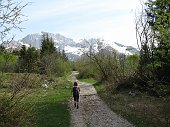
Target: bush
(12,111)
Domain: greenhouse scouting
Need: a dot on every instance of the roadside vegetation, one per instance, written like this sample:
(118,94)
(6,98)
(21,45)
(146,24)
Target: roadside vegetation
(50,106)
(34,90)
(88,80)
(141,110)
(38,105)
(136,86)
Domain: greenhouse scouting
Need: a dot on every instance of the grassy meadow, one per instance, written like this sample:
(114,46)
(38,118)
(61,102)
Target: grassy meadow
(36,106)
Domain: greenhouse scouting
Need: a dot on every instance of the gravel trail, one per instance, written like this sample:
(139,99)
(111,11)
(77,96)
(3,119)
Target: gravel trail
(93,112)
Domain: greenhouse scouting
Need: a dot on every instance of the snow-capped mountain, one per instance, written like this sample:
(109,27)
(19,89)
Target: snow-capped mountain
(108,45)
(10,46)
(59,40)
(72,49)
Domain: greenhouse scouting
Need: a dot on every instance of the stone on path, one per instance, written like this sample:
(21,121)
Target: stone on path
(93,112)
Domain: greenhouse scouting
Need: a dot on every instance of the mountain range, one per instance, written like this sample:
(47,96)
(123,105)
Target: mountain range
(72,49)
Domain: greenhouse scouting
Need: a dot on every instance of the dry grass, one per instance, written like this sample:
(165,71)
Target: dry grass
(141,110)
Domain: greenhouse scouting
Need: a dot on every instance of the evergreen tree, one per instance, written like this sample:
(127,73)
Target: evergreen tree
(28,59)
(2,49)
(47,46)
(153,32)
(64,56)
(52,61)
(48,55)
(32,59)
(158,14)
(22,59)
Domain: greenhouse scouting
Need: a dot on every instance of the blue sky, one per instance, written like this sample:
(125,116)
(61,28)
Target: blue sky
(112,20)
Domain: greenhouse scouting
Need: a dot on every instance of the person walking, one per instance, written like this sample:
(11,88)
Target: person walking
(76,91)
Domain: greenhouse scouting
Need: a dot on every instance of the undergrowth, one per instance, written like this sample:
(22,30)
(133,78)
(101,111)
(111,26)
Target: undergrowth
(139,109)
(34,105)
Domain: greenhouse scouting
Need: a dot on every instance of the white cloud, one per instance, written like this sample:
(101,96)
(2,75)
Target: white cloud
(44,9)
(110,19)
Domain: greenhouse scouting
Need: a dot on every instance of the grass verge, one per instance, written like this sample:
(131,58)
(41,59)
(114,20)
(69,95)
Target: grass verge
(44,107)
(89,80)
(141,110)
(51,105)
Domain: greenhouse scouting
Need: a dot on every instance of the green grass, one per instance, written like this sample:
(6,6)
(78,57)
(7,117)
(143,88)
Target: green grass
(88,80)
(46,107)
(141,110)
(51,106)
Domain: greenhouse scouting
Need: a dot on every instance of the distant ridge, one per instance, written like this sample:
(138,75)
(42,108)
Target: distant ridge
(72,49)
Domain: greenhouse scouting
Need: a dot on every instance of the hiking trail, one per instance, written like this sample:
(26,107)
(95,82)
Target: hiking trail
(93,112)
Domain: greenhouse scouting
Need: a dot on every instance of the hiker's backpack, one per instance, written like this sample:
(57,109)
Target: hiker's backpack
(75,90)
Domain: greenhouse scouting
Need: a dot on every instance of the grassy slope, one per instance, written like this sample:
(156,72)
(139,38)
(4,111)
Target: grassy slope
(141,110)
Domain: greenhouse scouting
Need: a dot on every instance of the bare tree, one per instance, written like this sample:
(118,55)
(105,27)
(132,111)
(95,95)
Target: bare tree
(106,62)
(10,17)
(146,40)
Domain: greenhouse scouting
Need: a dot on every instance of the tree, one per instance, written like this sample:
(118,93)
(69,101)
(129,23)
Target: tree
(10,17)
(131,64)
(64,56)
(47,45)
(48,55)
(28,59)
(105,62)
(153,33)
(8,62)
(158,14)
(22,59)
(2,49)
(32,59)
(52,61)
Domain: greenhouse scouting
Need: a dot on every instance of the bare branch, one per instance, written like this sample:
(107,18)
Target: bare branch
(10,17)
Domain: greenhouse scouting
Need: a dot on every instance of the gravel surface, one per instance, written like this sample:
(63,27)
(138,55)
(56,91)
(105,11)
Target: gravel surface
(93,112)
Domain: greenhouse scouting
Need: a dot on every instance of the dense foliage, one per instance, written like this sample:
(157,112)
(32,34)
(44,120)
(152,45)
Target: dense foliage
(153,29)
(107,66)
(146,72)
(48,60)
(26,69)
(52,61)
(23,71)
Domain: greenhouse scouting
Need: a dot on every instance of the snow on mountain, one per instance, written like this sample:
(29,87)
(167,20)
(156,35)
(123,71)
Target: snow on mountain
(26,45)
(127,50)
(14,45)
(72,49)
(119,47)
(59,40)
(33,40)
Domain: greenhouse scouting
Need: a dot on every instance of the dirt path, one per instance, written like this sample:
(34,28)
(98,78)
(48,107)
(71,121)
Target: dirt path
(93,112)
